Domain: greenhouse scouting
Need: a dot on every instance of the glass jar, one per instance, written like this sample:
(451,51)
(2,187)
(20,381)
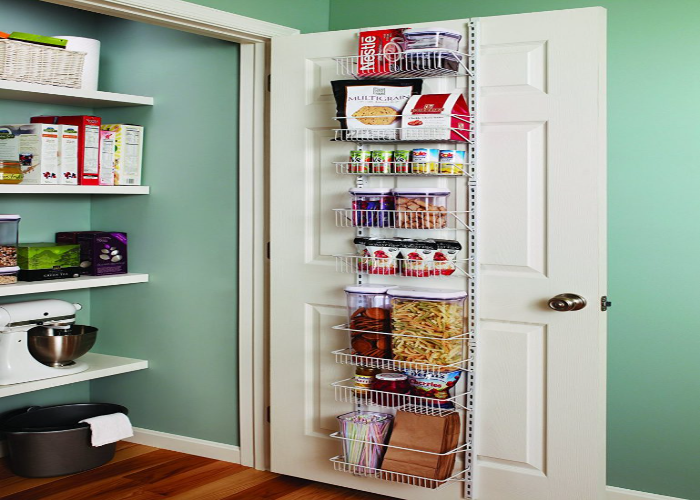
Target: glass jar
(432,39)
(368,311)
(370,205)
(10,172)
(421,208)
(8,275)
(9,234)
(423,320)
(388,385)
(364,378)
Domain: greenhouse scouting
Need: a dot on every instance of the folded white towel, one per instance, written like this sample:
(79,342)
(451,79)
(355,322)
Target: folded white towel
(109,428)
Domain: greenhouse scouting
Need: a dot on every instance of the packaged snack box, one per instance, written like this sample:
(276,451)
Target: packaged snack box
(379,50)
(68,155)
(436,117)
(35,145)
(128,153)
(46,261)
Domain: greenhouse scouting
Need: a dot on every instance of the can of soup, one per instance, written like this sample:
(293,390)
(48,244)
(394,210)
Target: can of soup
(360,161)
(381,161)
(401,161)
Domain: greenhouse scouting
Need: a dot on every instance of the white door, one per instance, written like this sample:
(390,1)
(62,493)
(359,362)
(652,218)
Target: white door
(541,174)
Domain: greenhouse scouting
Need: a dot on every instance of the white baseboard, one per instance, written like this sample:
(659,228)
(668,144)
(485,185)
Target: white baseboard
(183,444)
(623,494)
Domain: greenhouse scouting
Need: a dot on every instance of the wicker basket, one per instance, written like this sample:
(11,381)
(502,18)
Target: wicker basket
(32,63)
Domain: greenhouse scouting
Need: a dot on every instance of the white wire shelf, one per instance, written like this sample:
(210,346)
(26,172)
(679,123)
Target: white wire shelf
(426,63)
(401,219)
(346,392)
(349,357)
(441,135)
(341,465)
(459,449)
(404,168)
(409,268)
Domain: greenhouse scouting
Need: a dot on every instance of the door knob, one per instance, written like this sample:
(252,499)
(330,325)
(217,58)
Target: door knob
(567,302)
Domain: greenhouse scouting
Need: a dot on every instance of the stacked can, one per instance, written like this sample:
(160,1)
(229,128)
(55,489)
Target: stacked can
(402,159)
(452,161)
(381,161)
(360,162)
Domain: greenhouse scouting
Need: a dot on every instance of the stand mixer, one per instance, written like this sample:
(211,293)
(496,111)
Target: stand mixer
(17,364)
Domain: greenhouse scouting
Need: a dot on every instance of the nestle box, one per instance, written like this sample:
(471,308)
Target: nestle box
(47,261)
(103,253)
(35,145)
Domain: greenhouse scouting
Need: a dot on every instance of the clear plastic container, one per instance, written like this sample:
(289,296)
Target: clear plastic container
(370,207)
(421,208)
(432,39)
(421,59)
(9,235)
(8,275)
(368,311)
(423,320)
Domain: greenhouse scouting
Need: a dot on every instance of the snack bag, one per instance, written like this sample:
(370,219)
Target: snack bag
(434,385)
(361,250)
(379,51)
(382,256)
(417,258)
(445,255)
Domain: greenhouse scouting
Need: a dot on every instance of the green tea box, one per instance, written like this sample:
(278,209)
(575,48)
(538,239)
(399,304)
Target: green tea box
(45,261)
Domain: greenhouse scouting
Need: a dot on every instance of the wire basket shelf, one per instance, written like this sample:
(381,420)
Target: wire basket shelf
(426,63)
(459,449)
(395,168)
(401,219)
(409,268)
(349,357)
(441,135)
(341,465)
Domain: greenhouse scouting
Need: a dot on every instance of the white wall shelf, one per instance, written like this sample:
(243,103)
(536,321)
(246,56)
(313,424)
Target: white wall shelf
(25,287)
(62,189)
(49,94)
(100,365)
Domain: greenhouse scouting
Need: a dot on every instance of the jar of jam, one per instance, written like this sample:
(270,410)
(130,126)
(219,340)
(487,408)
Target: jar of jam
(390,384)
(10,172)
(364,378)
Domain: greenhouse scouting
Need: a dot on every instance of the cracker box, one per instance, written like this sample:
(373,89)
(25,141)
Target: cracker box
(68,155)
(107,157)
(36,147)
(128,153)
(436,117)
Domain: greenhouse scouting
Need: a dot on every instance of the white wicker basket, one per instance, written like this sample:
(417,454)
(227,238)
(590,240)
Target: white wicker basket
(32,63)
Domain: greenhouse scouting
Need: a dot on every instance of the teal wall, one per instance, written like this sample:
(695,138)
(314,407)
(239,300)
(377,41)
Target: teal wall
(653,105)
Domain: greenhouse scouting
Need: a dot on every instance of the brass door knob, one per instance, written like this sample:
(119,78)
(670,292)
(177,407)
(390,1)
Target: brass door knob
(567,302)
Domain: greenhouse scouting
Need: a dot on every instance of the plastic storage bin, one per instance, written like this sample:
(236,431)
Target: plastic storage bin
(8,275)
(432,39)
(421,208)
(422,322)
(370,207)
(421,59)
(9,235)
(368,311)
(49,441)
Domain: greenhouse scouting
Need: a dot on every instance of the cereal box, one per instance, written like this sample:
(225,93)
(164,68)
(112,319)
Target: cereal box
(35,145)
(128,153)
(68,155)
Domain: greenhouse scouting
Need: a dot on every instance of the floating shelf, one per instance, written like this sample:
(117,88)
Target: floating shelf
(62,189)
(49,94)
(101,366)
(25,287)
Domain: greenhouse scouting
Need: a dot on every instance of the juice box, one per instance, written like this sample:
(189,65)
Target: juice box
(128,153)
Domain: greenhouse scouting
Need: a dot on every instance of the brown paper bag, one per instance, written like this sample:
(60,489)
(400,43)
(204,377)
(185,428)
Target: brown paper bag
(426,433)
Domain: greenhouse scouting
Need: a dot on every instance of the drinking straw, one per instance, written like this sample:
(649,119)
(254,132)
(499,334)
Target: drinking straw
(370,427)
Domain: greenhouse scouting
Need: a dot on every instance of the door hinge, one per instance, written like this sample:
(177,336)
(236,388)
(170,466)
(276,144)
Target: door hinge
(605,303)
(268,414)
(267,250)
(269,83)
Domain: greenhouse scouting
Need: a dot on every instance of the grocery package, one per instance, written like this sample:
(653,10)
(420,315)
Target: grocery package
(128,153)
(88,144)
(445,255)
(434,315)
(361,250)
(365,433)
(36,147)
(48,261)
(436,38)
(421,208)
(390,387)
(372,108)
(433,434)
(368,312)
(101,253)
(383,255)
(417,257)
(433,385)
(436,117)
(379,50)
(425,160)
(107,157)
(452,161)
(68,155)
(371,207)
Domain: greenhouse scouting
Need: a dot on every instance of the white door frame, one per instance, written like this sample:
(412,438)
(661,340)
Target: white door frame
(254,37)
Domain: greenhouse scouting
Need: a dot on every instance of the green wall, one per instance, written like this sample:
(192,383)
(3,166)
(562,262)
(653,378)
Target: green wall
(653,104)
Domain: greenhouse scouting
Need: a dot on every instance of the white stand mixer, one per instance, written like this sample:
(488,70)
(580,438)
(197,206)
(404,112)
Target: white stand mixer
(17,364)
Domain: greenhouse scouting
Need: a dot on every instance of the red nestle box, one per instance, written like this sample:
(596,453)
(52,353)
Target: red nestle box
(379,51)
(88,144)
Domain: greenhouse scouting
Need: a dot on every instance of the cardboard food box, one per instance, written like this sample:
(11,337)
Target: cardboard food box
(47,261)
(128,153)
(88,144)
(107,144)
(35,146)
(379,50)
(101,252)
(68,155)
(436,117)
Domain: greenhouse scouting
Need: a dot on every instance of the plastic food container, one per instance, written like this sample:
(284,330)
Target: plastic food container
(8,275)
(421,208)
(10,172)
(421,59)
(9,233)
(422,322)
(432,39)
(370,207)
(368,311)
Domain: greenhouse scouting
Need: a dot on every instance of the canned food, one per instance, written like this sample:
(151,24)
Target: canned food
(381,161)
(425,161)
(360,161)
(401,161)
(452,161)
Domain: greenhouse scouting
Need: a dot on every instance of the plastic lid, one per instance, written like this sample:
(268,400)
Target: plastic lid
(421,191)
(433,31)
(439,53)
(369,190)
(9,270)
(9,217)
(391,376)
(369,288)
(426,293)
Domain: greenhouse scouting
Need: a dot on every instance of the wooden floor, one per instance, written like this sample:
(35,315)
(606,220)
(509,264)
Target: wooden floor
(140,472)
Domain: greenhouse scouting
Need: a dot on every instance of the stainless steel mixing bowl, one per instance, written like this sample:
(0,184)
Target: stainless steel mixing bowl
(60,347)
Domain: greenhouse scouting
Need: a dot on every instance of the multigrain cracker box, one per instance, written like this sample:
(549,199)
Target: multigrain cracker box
(128,153)
(35,145)
(436,117)
(68,155)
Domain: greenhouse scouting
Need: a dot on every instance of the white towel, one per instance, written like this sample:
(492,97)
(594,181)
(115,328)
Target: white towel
(109,428)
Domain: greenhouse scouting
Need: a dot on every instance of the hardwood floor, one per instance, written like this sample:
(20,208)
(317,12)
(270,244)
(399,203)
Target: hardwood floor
(140,472)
